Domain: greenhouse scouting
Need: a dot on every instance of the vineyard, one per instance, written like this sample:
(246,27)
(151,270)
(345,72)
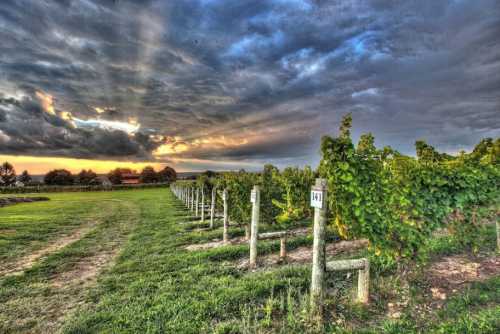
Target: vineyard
(372,241)
(394,201)
(397,203)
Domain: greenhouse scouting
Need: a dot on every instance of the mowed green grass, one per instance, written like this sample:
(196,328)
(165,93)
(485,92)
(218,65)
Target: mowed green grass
(27,227)
(153,285)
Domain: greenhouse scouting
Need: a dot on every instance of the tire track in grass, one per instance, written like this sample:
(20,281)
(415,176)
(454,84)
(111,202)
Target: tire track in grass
(39,300)
(29,235)
(29,260)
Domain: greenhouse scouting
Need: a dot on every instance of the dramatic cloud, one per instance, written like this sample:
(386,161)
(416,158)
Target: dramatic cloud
(229,84)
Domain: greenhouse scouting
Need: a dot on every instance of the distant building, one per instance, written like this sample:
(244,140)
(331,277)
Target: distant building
(103,180)
(19,184)
(130,178)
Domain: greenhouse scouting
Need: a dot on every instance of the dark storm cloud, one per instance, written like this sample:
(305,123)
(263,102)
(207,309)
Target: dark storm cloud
(31,130)
(277,72)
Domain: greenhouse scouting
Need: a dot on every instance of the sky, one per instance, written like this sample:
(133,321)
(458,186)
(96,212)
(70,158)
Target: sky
(225,85)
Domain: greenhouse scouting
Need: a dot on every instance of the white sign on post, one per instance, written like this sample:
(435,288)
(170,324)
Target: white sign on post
(253,196)
(317,199)
(224,196)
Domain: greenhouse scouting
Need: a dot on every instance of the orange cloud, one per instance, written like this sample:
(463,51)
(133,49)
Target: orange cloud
(47,102)
(175,145)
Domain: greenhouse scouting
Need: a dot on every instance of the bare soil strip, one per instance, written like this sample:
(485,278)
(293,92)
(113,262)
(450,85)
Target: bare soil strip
(446,277)
(303,255)
(238,241)
(5,201)
(84,271)
(453,271)
(27,261)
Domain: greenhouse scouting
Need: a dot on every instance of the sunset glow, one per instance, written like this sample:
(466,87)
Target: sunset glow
(41,165)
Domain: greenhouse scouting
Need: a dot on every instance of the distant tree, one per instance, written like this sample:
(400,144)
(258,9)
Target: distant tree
(209,173)
(87,177)
(115,176)
(148,175)
(59,177)
(167,174)
(7,174)
(25,177)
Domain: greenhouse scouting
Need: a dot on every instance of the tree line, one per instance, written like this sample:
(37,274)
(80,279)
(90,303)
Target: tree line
(63,177)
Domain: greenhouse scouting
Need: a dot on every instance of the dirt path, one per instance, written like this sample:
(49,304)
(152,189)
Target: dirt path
(27,261)
(303,255)
(238,241)
(41,301)
(85,270)
(446,277)
(453,272)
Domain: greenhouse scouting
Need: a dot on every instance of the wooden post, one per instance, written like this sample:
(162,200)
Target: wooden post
(212,207)
(247,232)
(363,267)
(254,231)
(283,247)
(192,199)
(364,282)
(225,236)
(202,204)
(197,202)
(318,260)
(498,236)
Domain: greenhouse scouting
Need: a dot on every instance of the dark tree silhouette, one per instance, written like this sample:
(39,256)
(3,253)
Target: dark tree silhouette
(7,174)
(167,174)
(59,177)
(116,175)
(25,177)
(148,175)
(87,177)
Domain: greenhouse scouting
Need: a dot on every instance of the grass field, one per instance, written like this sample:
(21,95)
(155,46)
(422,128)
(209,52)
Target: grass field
(114,262)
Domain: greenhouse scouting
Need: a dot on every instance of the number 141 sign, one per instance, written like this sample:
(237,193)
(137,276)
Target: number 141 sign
(317,199)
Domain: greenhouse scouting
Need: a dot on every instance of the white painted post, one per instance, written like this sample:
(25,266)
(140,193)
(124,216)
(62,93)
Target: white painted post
(318,201)
(192,199)
(202,204)
(212,207)
(254,231)
(197,202)
(225,236)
